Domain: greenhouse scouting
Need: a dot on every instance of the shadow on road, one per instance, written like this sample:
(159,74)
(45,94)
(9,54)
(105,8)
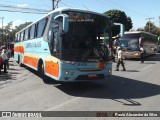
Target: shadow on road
(148,59)
(115,88)
(153,57)
(132,71)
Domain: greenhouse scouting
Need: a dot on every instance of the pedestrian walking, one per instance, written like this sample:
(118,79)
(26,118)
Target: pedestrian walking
(4,59)
(113,54)
(9,53)
(142,54)
(120,60)
(0,63)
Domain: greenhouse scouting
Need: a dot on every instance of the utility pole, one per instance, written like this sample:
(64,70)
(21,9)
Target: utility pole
(53,5)
(159,21)
(57,2)
(149,20)
(2,26)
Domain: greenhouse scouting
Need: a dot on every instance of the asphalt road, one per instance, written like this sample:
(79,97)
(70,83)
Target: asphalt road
(137,89)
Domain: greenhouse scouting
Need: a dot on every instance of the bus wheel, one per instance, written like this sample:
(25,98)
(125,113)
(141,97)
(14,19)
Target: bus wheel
(41,73)
(19,62)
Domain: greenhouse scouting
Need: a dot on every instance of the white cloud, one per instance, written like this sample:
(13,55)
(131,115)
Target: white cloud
(22,5)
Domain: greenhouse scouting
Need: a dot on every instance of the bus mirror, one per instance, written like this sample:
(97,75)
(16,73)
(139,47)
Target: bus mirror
(65,21)
(121,28)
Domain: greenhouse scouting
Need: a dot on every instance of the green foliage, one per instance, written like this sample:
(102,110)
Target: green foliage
(152,28)
(118,16)
(21,26)
(140,29)
(9,33)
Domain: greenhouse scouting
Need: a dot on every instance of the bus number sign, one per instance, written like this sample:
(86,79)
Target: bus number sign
(83,64)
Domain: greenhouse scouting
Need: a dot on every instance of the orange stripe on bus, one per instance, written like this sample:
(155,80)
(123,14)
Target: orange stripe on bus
(52,68)
(30,61)
(19,49)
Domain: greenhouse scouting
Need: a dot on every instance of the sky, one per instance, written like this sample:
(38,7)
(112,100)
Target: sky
(138,10)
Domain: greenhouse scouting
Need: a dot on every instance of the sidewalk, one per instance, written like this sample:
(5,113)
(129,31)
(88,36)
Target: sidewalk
(14,72)
(9,75)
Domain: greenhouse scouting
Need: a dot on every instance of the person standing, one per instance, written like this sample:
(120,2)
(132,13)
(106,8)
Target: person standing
(120,60)
(142,54)
(0,63)
(4,59)
(9,53)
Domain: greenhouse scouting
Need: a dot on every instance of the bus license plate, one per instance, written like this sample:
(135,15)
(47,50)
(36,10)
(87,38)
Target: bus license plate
(92,75)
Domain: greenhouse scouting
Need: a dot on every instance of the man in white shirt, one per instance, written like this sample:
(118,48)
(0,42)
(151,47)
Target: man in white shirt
(120,60)
(4,59)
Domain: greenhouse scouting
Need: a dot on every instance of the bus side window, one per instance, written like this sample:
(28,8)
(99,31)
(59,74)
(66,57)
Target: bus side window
(17,40)
(41,27)
(22,36)
(32,32)
(19,37)
(26,34)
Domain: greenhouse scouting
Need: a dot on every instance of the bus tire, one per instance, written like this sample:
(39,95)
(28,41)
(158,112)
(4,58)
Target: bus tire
(19,61)
(41,72)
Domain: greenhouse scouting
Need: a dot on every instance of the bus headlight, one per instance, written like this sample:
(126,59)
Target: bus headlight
(67,72)
(71,73)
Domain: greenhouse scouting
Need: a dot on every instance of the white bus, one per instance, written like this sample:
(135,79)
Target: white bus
(65,45)
(131,42)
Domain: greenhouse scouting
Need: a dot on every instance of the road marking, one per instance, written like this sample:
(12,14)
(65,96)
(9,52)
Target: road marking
(71,100)
(146,67)
(62,104)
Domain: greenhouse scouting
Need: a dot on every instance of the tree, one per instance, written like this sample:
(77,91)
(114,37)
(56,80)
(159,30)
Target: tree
(152,28)
(21,26)
(140,29)
(120,17)
(9,33)
(128,24)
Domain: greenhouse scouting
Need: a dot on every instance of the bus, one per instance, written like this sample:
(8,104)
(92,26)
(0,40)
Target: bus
(131,42)
(65,45)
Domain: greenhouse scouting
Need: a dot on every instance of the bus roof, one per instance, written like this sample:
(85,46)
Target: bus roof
(78,10)
(134,32)
(61,10)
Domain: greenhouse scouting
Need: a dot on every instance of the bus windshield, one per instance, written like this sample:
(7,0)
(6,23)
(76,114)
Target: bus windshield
(129,44)
(82,41)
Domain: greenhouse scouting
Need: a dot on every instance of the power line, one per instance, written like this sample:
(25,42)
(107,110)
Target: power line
(115,5)
(24,11)
(7,1)
(22,8)
(66,4)
(9,8)
(129,9)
